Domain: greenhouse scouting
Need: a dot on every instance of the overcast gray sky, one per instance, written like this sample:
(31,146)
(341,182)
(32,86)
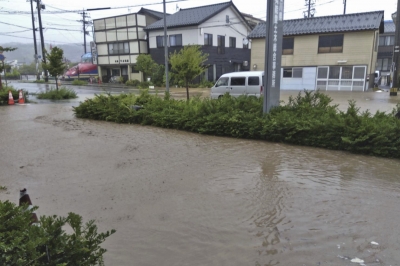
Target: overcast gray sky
(65,28)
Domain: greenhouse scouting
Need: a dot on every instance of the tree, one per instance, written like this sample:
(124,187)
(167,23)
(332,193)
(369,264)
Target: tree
(187,64)
(4,49)
(145,64)
(55,63)
(29,69)
(47,244)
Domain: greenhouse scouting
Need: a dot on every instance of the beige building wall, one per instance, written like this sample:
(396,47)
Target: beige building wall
(359,48)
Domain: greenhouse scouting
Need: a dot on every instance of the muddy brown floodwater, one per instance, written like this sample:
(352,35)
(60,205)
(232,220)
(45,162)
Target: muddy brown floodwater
(177,198)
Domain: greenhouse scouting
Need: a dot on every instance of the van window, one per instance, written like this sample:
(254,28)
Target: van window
(238,81)
(254,81)
(222,82)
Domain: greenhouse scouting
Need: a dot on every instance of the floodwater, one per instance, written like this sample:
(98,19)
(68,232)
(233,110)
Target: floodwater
(177,198)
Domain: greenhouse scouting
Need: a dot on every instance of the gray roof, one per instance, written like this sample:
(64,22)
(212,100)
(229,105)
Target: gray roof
(328,24)
(155,14)
(389,26)
(191,16)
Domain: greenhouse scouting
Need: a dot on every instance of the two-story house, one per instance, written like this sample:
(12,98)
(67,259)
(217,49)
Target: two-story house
(326,53)
(385,52)
(120,40)
(220,29)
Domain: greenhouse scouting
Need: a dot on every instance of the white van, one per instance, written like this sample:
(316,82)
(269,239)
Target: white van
(239,83)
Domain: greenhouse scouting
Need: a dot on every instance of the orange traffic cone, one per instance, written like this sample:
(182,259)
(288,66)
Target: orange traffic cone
(10,98)
(25,199)
(21,98)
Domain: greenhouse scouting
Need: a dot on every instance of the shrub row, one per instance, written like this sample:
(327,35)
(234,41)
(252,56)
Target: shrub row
(61,94)
(309,119)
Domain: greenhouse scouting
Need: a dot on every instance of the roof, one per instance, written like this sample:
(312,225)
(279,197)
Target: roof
(327,24)
(192,16)
(155,14)
(389,26)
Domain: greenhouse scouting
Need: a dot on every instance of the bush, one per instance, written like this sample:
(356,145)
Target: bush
(308,119)
(78,82)
(47,244)
(145,84)
(133,83)
(39,81)
(60,94)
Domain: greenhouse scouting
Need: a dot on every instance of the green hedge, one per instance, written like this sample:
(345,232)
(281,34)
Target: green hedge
(309,119)
(61,94)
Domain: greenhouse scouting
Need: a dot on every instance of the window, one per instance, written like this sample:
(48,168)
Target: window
(386,40)
(221,44)
(383,64)
(253,81)
(330,43)
(334,72)
(160,41)
(296,72)
(238,81)
(222,82)
(175,40)
(208,39)
(232,42)
(118,48)
(347,72)
(287,45)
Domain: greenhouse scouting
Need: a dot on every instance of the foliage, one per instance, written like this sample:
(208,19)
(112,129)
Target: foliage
(145,64)
(78,82)
(13,75)
(39,81)
(61,94)
(121,80)
(29,69)
(145,84)
(48,244)
(206,84)
(133,83)
(2,50)
(187,64)
(55,65)
(3,188)
(158,75)
(308,119)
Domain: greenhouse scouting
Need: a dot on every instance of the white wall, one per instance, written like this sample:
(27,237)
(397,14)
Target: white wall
(307,82)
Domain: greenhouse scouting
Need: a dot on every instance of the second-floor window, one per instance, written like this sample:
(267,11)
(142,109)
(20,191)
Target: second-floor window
(160,41)
(232,42)
(330,43)
(386,40)
(118,48)
(208,39)
(221,44)
(383,64)
(287,45)
(175,40)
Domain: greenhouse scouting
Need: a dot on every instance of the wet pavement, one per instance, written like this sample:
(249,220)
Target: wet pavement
(177,198)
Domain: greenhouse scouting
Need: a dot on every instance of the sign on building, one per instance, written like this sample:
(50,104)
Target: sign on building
(93,50)
(273,52)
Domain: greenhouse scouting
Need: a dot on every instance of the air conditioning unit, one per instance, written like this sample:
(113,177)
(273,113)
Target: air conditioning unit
(245,63)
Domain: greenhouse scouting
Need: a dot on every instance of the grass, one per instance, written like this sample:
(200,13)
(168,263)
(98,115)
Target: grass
(15,93)
(3,188)
(78,82)
(39,81)
(60,94)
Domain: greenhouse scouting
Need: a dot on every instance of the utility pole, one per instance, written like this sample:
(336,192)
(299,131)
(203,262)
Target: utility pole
(396,52)
(85,22)
(166,50)
(39,7)
(310,4)
(34,41)
(344,11)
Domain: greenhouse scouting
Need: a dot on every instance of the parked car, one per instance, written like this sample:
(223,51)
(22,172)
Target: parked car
(239,83)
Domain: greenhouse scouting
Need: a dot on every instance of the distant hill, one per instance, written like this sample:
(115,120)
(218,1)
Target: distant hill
(25,52)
